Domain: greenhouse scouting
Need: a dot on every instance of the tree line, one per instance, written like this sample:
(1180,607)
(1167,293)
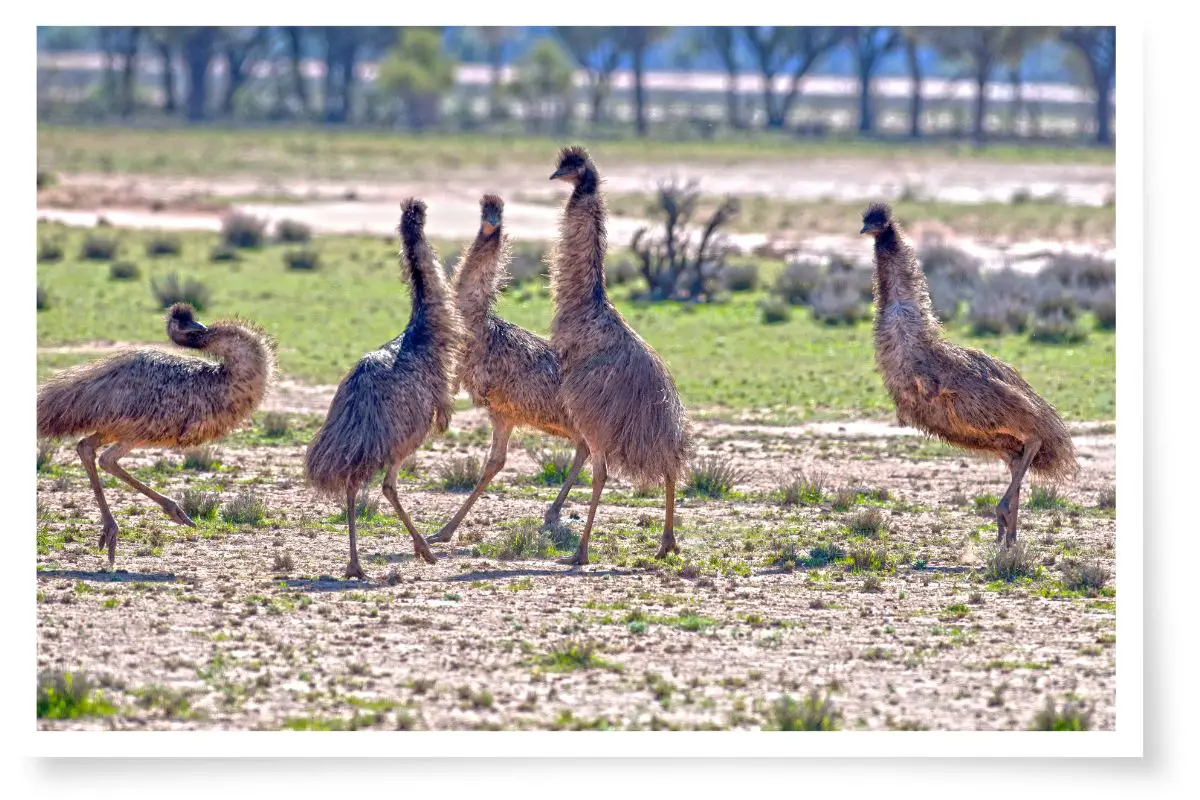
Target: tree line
(417,68)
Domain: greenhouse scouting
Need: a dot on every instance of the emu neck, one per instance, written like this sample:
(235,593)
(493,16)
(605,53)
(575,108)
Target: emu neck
(478,278)
(246,355)
(578,280)
(899,281)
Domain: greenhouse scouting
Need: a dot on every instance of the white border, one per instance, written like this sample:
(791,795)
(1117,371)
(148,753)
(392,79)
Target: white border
(1125,741)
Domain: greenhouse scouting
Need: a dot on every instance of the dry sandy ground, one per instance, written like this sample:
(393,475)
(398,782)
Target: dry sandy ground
(243,627)
(533,204)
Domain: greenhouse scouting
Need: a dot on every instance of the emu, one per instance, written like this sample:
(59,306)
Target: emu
(506,369)
(152,398)
(960,395)
(619,394)
(387,404)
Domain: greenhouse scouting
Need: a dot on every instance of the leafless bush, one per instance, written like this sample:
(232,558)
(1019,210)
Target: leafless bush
(681,263)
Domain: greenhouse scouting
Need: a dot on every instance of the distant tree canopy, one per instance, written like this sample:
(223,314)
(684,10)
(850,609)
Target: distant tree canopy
(267,72)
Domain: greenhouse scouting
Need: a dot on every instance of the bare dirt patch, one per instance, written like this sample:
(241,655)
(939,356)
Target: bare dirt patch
(238,626)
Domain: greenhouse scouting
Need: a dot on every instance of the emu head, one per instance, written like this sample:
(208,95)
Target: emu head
(573,163)
(491,214)
(182,326)
(876,219)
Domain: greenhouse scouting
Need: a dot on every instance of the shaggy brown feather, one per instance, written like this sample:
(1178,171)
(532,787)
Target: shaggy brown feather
(958,394)
(618,392)
(391,399)
(510,371)
(153,397)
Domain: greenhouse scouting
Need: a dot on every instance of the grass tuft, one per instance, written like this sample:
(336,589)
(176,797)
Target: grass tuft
(1010,563)
(1074,715)
(575,655)
(201,459)
(46,450)
(802,489)
(712,476)
(199,504)
(246,508)
(460,474)
(64,695)
(813,713)
(172,290)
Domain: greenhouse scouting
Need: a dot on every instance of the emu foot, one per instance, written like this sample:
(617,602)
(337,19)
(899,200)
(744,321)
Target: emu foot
(423,552)
(176,513)
(442,536)
(108,533)
(667,547)
(355,571)
(579,559)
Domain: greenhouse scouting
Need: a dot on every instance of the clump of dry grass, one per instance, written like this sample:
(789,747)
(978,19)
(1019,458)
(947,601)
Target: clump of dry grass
(1107,499)
(246,508)
(46,449)
(199,504)
(869,521)
(1010,563)
(801,489)
(712,476)
(1085,576)
(201,459)
(460,474)
(283,563)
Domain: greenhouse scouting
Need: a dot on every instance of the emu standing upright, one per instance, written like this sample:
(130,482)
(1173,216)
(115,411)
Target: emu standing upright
(146,397)
(506,369)
(958,394)
(618,392)
(387,404)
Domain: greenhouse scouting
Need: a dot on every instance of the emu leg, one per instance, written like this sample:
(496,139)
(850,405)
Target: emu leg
(668,538)
(389,491)
(501,430)
(110,462)
(354,569)
(555,509)
(108,535)
(1006,510)
(599,476)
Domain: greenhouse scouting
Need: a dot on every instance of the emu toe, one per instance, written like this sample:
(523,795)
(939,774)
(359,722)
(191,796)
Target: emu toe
(579,559)
(667,547)
(442,536)
(176,514)
(424,553)
(353,570)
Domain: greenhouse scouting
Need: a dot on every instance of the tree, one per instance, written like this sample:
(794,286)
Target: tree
(638,41)
(197,56)
(981,50)
(1098,48)
(723,40)
(598,51)
(165,41)
(496,39)
(295,40)
(237,45)
(780,51)
(869,45)
(133,37)
(420,73)
(545,84)
(913,39)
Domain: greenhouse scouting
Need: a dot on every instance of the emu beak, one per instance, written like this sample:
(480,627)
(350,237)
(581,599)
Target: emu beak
(865,229)
(561,172)
(196,326)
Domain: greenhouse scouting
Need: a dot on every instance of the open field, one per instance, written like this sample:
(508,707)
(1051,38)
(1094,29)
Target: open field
(847,560)
(318,153)
(897,620)
(726,361)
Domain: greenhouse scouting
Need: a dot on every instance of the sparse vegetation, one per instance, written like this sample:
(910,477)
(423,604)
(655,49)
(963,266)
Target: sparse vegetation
(814,713)
(575,655)
(66,695)
(199,504)
(293,232)
(712,476)
(161,244)
(460,474)
(201,459)
(275,424)
(246,508)
(172,290)
(1085,576)
(869,521)
(124,271)
(1073,715)
(243,231)
(49,251)
(46,449)
(1010,563)
(97,247)
(302,260)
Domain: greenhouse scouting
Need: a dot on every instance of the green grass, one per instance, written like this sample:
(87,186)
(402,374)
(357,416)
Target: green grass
(322,153)
(722,357)
(573,656)
(64,695)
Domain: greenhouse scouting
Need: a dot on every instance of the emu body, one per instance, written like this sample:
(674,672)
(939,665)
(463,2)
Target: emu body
(388,403)
(619,394)
(150,397)
(510,371)
(958,394)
